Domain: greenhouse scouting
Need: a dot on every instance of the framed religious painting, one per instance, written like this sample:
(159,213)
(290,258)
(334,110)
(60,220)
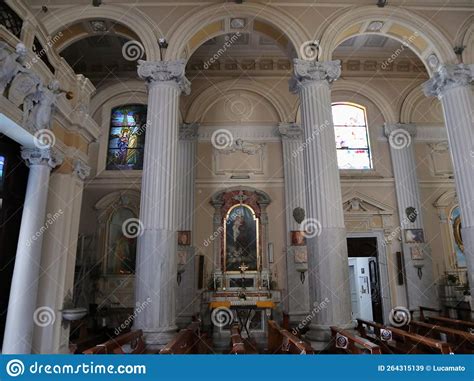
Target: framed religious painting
(241,239)
(298,238)
(184,238)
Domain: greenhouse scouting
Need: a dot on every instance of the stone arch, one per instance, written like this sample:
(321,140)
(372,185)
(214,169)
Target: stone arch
(412,30)
(204,100)
(411,104)
(465,39)
(376,97)
(132,88)
(138,22)
(213,20)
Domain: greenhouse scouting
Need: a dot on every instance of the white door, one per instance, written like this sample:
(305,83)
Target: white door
(361,294)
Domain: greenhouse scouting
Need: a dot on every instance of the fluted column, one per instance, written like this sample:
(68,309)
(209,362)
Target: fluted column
(22,314)
(420,282)
(295,197)
(326,235)
(451,84)
(187,282)
(156,252)
(59,255)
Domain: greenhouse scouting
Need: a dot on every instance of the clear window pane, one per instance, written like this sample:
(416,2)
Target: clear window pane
(352,139)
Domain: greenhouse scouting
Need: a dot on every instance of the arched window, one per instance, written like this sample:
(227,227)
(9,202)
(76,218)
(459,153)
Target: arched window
(126,137)
(352,136)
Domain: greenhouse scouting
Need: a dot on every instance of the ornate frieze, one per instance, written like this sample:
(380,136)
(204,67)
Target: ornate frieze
(165,71)
(188,131)
(290,131)
(314,71)
(448,77)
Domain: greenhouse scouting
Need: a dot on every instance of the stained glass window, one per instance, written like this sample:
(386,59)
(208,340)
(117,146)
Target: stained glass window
(352,137)
(127,137)
(2,171)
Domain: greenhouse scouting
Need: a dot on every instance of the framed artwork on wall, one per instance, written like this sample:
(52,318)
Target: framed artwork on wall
(414,236)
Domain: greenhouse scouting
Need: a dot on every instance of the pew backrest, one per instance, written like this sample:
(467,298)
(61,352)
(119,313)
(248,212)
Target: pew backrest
(349,343)
(128,343)
(282,341)
(186,341)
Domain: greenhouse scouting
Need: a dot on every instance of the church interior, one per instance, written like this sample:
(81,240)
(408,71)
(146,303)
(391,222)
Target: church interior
(244,177)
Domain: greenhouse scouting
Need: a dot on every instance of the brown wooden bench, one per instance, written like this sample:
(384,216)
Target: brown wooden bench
(346,342)
(128,343)
(189,340)
(462,325)
(394,340)
(460,341)
(236,341)
(282,341)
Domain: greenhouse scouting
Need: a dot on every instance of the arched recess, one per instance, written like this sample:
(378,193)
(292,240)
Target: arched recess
(135,90)
(372,94)
(411,105)
(132,92)
(193,29)
(203,101)
(387,110)
(414,31)
(138,22)
(465,39)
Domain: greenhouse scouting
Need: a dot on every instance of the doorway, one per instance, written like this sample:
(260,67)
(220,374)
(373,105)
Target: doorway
(364,279)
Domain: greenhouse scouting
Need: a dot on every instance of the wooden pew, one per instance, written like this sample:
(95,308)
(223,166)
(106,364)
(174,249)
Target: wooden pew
(461,325)
(187,341)
(128,343)
(236,341)
(282,341)
(460,341)
(395,340)
(355,344)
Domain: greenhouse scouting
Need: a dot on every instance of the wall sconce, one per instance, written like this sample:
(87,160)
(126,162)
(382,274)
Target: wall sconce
(419,268)
(179,275)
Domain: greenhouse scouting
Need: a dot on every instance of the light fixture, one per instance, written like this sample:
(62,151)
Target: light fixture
(381,3)
(96,3)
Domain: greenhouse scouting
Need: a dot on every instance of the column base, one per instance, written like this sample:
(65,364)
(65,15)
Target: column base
(320,335)
(157,339)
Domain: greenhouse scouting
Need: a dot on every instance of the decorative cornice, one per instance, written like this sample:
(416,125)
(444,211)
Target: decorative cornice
(81,169)
(188,131)
(305,72)
(36,156)
(165,71)
(448,77)
(389,129)
(290,131)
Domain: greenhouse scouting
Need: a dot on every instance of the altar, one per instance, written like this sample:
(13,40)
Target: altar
(242,287)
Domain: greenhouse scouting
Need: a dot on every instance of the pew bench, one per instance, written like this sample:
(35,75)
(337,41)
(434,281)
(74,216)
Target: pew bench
(460,341)
(189,340)
(394,340)
(462,325)
(282,341)
(127,343)
(236,341)
(345,342)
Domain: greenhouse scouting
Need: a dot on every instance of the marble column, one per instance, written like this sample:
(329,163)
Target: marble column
(22,313)
(451,84)
(59,254)
(326,235)
(156,270)
(187,277)
(420,283)
(295,197)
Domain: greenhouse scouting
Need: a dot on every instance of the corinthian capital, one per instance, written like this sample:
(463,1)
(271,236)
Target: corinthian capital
(37,156)
(165,71)
(313,71)
(448,77)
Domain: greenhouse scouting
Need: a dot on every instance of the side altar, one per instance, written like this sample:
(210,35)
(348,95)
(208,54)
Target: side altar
(242,289)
